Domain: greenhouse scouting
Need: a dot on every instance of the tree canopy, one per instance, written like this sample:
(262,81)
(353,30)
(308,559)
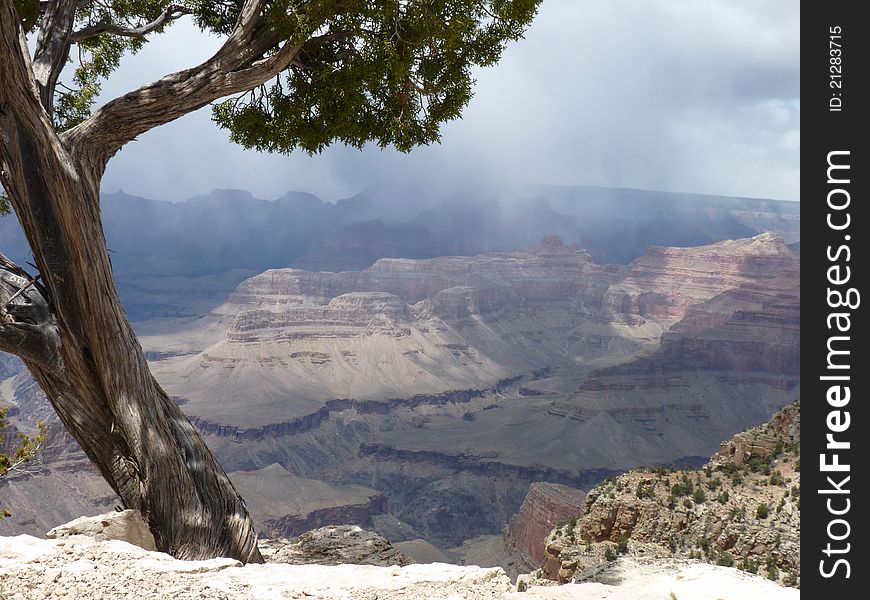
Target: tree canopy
(387,71)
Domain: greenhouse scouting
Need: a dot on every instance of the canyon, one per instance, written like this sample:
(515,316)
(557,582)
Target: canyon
(422,397)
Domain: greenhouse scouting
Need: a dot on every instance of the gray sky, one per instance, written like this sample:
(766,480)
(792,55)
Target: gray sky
(679,95)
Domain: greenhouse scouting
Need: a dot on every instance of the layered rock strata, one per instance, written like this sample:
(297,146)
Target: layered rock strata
(741,510)
(545,506)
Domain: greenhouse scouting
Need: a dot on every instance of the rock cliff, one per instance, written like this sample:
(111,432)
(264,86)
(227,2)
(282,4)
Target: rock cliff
(545,506)
(742,509)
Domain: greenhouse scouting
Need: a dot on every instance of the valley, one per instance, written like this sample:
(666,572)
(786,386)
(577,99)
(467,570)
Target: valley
(421,397)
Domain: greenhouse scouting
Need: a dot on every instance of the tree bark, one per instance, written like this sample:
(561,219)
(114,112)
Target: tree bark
(73,334)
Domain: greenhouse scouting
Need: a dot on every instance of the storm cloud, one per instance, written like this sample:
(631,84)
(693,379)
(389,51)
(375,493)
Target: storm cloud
(680,95)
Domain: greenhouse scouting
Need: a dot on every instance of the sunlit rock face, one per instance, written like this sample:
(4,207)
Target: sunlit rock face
(445,387)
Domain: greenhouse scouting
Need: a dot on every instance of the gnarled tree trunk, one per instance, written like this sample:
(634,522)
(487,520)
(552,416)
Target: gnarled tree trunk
(71,331)
(73,335)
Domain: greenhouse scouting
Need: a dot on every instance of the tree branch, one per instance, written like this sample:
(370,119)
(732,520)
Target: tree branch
(171,13)
(251,56)
(28,327)
(52,48)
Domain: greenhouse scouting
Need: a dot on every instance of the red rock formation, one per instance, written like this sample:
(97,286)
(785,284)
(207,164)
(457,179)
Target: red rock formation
(546,506)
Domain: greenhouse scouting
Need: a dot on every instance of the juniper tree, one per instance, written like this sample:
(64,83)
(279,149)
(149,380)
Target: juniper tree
(23,451)
(290,74)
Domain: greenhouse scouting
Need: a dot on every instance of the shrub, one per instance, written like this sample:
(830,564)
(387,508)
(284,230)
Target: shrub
(610,555)
(644,491)
(26,450)
(699,496)
(723,497)
(773,573)
(687,503)
(704,544)
(749,565)
(725,560)
(761,511)
(714,484)
(776,478)
(622,545)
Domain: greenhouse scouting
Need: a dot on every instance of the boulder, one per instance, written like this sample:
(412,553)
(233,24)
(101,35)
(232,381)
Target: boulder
(126,525)
(334,545)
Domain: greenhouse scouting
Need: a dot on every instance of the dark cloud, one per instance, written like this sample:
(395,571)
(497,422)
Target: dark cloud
(683,95)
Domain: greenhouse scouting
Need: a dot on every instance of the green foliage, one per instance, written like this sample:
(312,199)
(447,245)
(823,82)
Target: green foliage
(776,478)
(644,491)
(759,465)
(773,573)
(687,503)
(704,544)
(738,513)
(5,206)
(723,497)
(749,565)
(699,496)
(729,468)
(390,72)
(682,488)
(661,470)
(29,12)
(622,545)
(725,560)
(761,511)
(610,554)
(714,484)
(97,57)
(385,71)
(26,450)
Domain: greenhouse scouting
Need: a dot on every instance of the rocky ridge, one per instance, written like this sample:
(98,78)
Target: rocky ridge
(742,509)
(108,556)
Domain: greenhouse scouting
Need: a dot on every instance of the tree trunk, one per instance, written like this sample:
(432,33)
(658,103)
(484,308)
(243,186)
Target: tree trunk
(73,334)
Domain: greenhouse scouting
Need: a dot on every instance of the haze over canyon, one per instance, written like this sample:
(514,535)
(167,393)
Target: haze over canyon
(413,368)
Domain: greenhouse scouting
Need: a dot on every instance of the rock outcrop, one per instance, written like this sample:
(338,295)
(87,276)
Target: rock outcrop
(546,505)
(742,510)
(335,545)
(126,525)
